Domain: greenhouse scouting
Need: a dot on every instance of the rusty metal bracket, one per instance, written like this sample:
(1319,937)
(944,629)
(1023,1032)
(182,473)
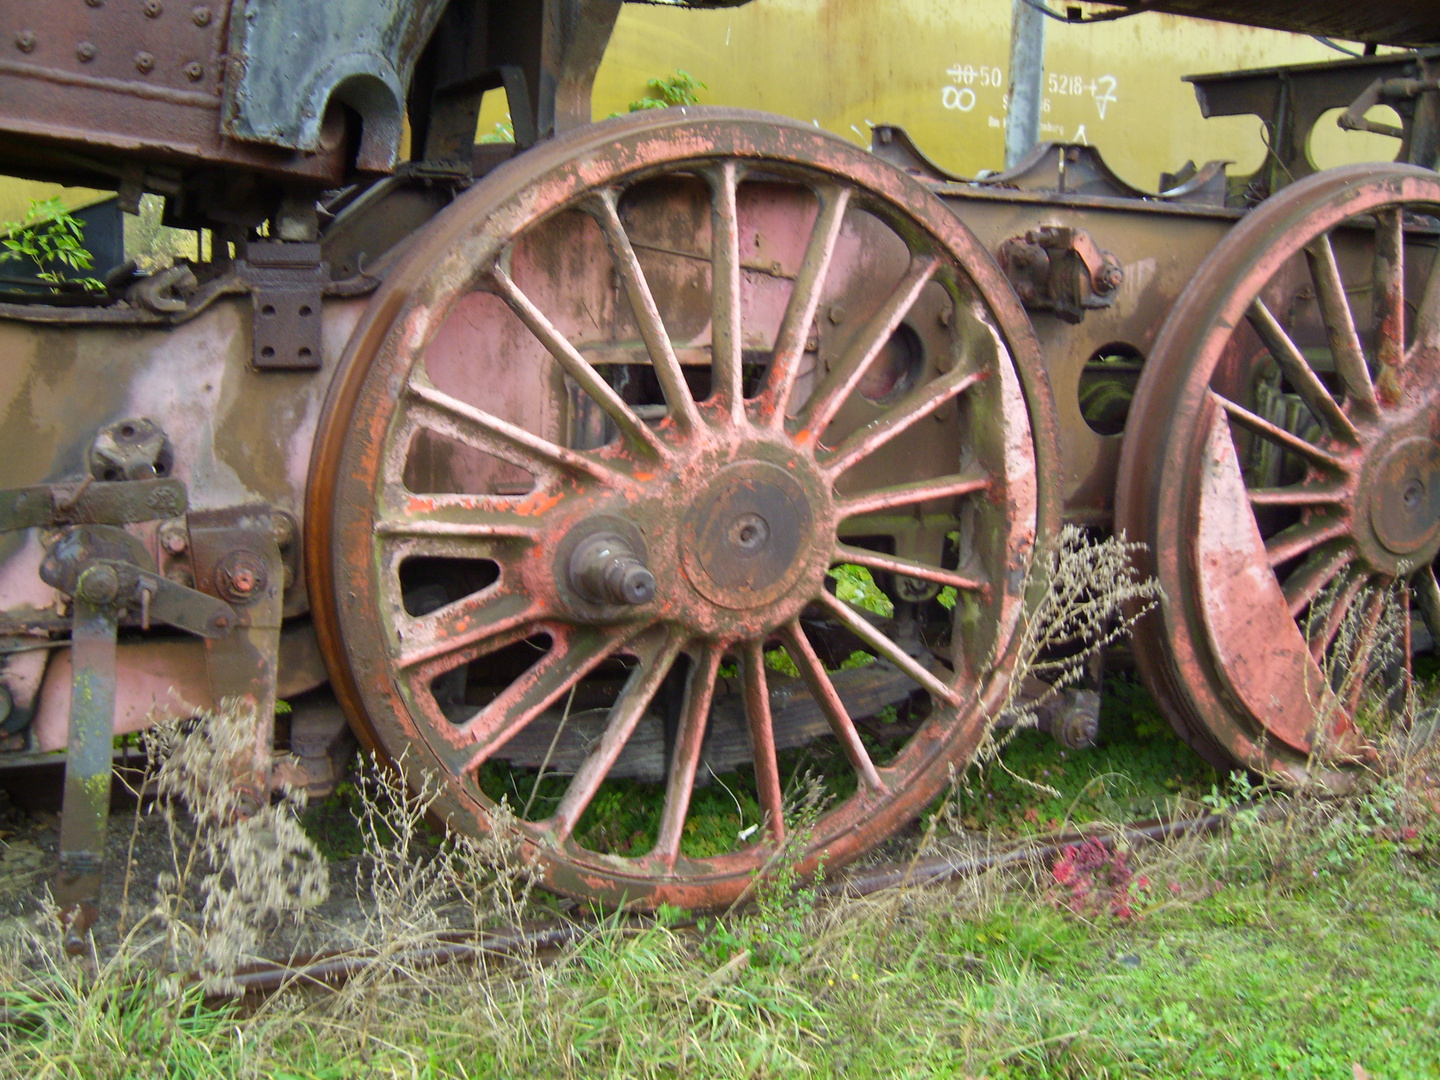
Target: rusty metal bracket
(236,555)
(1060,269)
(1386,91)
(287,282)
(91,502)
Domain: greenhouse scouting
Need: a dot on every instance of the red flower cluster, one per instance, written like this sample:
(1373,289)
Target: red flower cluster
(1096,880)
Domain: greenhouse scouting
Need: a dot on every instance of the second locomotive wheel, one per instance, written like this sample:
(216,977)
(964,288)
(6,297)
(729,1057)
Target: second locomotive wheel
(602,437)
(1282,462)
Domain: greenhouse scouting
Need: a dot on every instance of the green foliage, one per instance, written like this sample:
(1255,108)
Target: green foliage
(855,585)
(504,132)
(1136,770)
(779,660)
(670,90)
(52,240)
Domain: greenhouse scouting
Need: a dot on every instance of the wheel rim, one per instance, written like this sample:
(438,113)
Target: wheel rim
(1284,467)
(662,537)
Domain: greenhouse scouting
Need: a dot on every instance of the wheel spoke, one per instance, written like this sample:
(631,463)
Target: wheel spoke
(694,718)
(572,656)
(1427,315)
(1296,495)
(887,649)
(606,208)
(831,394)
(762,739)
(656,659)
(1298,539)
(577,367)
(826,696)
(1276,434)
(429,523)
(1340,324)
(941,487)
(725,324)
(1389,301)
(873,436)
(1300,374)
(1335,615)
(906,568)
(1427,598)
(804,299)
(449,415)
(1319,570)
(463,624)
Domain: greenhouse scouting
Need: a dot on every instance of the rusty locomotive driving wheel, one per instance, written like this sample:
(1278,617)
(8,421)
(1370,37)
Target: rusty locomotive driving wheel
(602,437)
(1283,465)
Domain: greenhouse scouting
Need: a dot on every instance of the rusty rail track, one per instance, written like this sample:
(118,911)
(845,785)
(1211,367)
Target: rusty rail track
(334,969)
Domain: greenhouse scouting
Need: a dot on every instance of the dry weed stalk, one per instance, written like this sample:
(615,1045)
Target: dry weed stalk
(1088,596)
(250,868)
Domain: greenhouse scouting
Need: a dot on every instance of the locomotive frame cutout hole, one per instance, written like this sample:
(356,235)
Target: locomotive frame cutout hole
(1107,386)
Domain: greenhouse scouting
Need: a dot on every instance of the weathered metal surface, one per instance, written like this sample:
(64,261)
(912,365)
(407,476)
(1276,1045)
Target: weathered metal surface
(86,502)
(1282,464)
(1058,268)
(236,555)
(728,234)
(287,285)
(289,61)
(86,809)
(137,90)
(1290,102)
(1397,22)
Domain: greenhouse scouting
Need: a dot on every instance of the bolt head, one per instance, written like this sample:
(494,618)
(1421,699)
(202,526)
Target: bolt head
(200,15)
(85,52)
(25,41)
(193,71)
(638,585)
(144,63)
(99,585)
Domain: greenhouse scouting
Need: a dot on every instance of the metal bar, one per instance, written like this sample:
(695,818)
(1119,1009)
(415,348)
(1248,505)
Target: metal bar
(1027,71)
(86,810)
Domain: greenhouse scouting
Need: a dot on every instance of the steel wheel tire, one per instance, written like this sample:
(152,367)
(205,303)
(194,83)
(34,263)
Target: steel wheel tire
(1282,463)
(718,512)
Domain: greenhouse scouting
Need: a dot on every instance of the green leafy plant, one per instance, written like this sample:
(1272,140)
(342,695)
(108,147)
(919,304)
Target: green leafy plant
(504,132)
(855,585)
(669,90)
(53,240)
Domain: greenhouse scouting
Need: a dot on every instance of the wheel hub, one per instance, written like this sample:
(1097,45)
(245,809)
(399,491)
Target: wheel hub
(743,538)
(1405,497)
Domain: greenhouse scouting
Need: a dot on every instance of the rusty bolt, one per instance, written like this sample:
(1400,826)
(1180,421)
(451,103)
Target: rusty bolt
(200,15)
(240,577)
(193,71)
(1110,277)
(172,539)
(25,41)
(284,526)
(85,52)
(153,9)
(837,313)
(98,585)
(144,62)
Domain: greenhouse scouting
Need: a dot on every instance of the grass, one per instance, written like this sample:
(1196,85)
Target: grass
(1303,942)
(1299,945)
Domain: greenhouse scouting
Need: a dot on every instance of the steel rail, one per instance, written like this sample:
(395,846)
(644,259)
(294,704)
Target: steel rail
(334,969)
